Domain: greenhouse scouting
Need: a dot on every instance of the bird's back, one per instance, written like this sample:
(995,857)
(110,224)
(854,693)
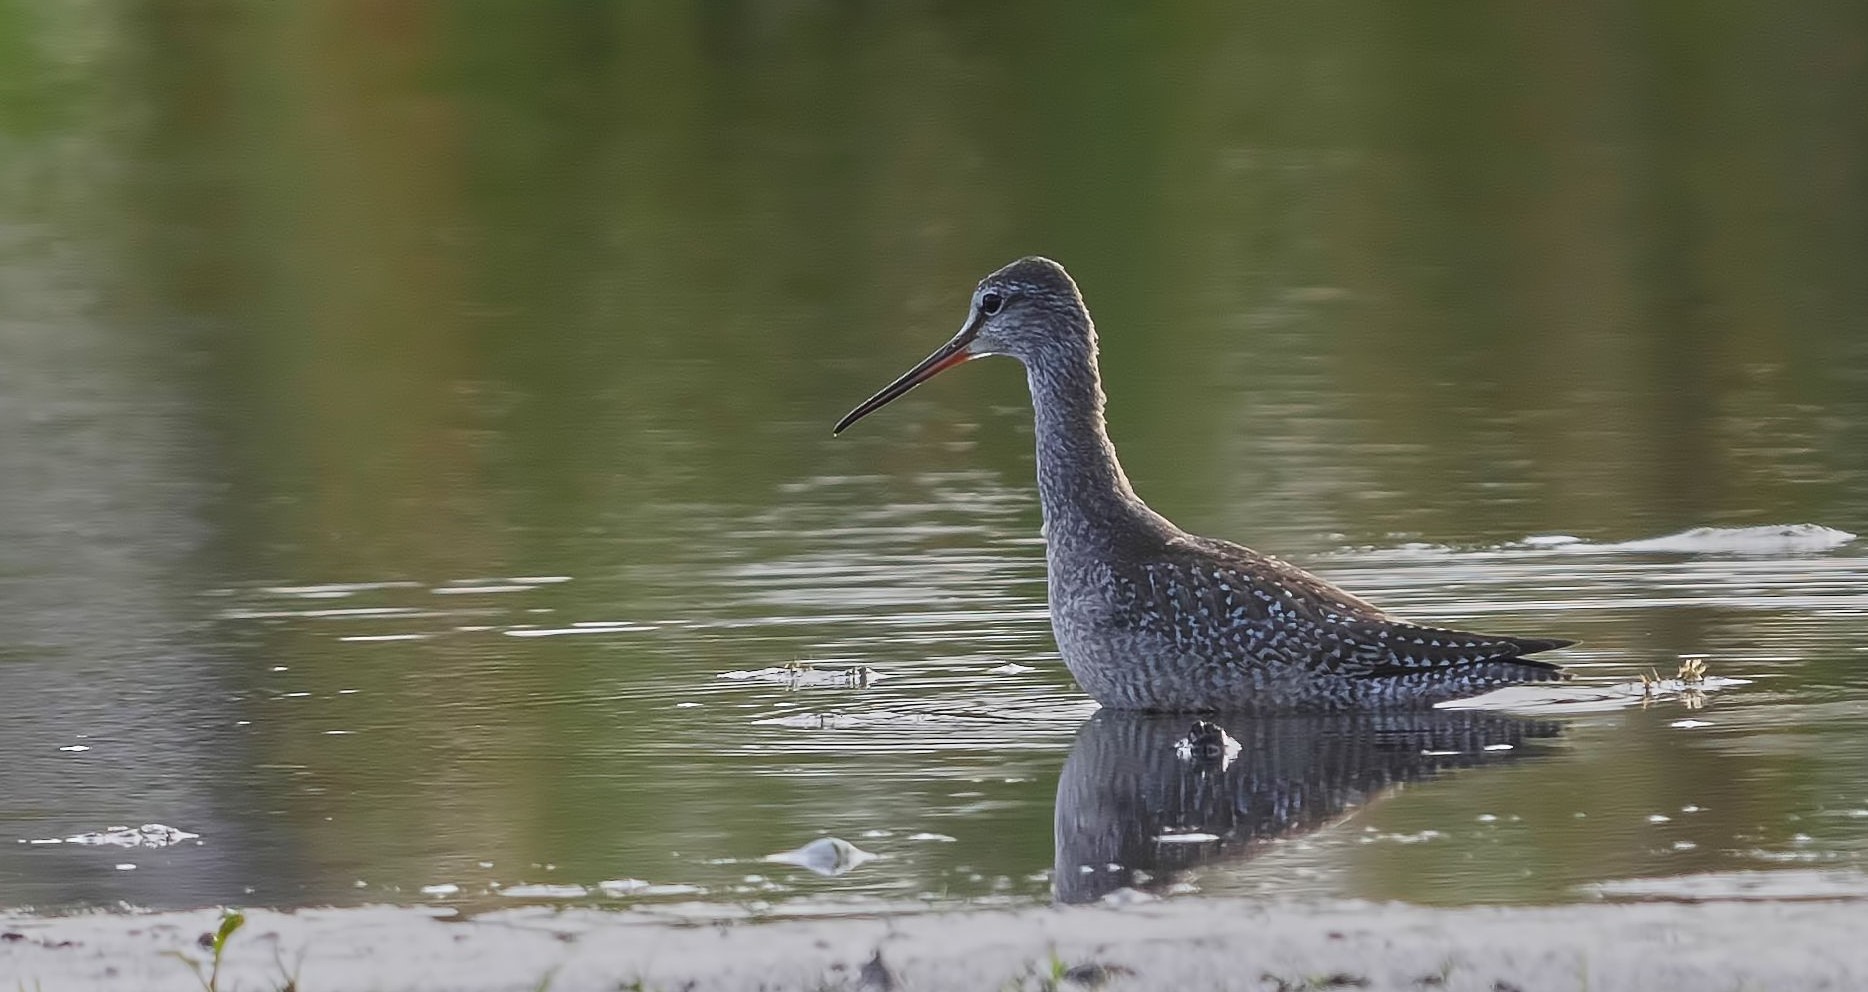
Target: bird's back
(1172,621)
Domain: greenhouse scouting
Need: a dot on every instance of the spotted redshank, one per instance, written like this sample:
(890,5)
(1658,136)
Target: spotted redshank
(1150,617)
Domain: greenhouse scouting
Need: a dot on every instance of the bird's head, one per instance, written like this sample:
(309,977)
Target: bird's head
(1028,310)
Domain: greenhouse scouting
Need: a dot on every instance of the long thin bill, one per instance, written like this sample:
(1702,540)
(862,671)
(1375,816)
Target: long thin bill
(949,355)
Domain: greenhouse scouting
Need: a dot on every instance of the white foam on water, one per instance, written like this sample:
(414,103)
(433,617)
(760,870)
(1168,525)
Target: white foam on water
(1781,884)
(581,627)
(333,590)
(1771,539)
(350,611)
(530,891)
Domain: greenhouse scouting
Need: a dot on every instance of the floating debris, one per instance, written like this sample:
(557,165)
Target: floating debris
(1588,697)
(147,835)
(1207,742)
(1010,668)
(825,856)
(443,889)
(800,674)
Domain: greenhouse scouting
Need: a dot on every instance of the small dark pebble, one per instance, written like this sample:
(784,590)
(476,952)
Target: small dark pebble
(1503,986)
(11,936)
(876,975)
(205,941)
(1095,976)
(1339,980)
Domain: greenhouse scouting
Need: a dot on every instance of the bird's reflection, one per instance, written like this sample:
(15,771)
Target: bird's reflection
(1215,789)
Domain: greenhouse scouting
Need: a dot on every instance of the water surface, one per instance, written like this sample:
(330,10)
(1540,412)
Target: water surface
(415,476)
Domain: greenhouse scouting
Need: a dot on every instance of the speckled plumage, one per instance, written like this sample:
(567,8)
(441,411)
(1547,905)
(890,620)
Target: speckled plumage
(1149,617)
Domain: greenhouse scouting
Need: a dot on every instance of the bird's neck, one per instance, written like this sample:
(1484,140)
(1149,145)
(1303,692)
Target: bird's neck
(1087,499)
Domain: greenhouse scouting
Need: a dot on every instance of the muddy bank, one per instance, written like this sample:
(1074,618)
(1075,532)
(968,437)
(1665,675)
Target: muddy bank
(1189,944)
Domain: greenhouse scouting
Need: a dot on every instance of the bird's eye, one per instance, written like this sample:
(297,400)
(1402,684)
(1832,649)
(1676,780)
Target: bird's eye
(990,303)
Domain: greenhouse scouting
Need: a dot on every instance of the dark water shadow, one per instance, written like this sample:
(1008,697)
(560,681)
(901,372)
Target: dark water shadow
(1133,779)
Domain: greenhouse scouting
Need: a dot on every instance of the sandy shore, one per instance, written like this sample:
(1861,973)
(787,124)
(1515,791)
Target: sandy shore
(1182,944)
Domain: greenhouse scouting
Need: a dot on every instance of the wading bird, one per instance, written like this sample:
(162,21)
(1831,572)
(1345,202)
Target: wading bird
(1150,617)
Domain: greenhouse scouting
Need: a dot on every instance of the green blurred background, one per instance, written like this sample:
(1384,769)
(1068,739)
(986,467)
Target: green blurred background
(419,292)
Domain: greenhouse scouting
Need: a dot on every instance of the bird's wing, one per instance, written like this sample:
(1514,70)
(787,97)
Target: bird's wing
(1264,607)
(1395,647)
(1273,574)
